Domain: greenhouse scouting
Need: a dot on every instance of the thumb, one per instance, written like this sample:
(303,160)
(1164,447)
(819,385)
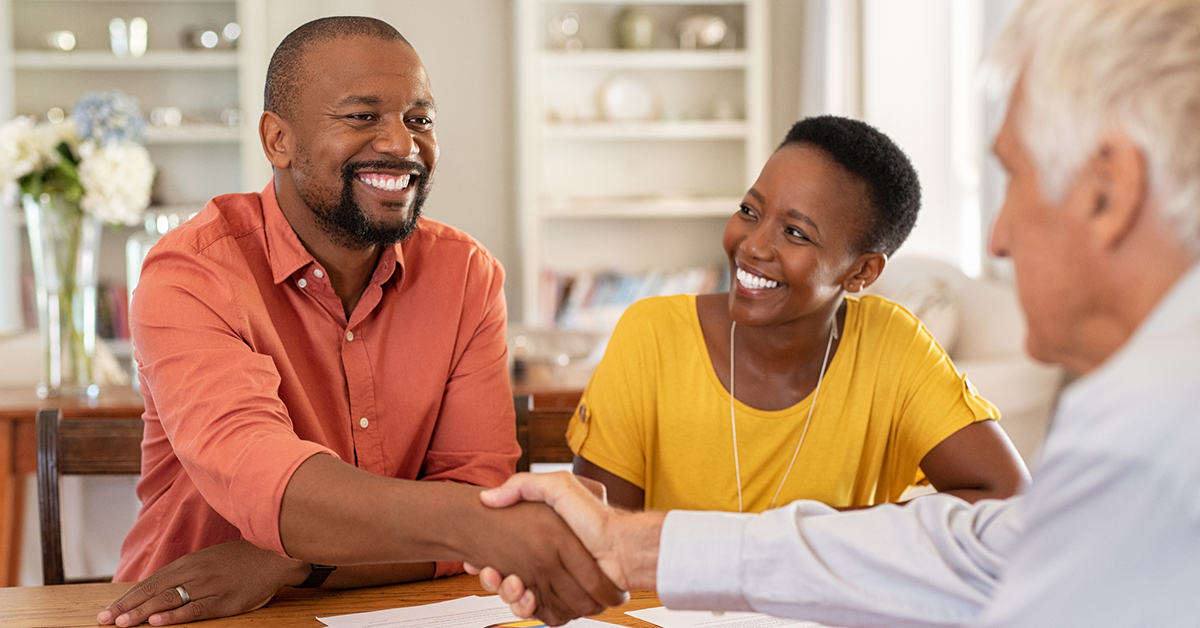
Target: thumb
(529,487)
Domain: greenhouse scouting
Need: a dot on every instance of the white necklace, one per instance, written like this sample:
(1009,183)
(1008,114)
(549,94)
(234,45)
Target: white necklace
(737,468)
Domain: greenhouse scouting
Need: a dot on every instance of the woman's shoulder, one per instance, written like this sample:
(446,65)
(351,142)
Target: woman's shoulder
(653,321)
(881,320)
(874,307)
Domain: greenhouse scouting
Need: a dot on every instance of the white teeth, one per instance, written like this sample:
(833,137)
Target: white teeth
(754,282)
(385,183)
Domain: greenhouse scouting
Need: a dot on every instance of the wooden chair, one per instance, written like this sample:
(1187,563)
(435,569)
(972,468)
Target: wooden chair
(542,433)
(78,447)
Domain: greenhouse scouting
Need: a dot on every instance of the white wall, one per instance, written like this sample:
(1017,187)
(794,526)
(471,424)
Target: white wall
(466,46)
(906,94)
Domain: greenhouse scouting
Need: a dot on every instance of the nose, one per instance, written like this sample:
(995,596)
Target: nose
(758,243)
(998,242)
(395,138)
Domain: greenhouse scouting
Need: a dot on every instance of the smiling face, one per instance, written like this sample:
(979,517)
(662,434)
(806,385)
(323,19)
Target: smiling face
(793,245)
(365,148)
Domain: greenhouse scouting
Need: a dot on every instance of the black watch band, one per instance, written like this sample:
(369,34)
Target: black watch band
(317,576)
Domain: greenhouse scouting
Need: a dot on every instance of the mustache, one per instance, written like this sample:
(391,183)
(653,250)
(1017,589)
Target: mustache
(351,169)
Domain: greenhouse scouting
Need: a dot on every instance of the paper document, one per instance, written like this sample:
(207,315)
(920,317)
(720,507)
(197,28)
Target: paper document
(466,612)
(660,616)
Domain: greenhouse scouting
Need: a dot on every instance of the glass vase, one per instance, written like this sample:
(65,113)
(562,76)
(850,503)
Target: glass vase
(64,242)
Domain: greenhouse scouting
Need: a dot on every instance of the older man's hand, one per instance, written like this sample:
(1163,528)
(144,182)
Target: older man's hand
(624,544)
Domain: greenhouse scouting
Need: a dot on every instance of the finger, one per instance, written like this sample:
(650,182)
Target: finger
(512,589)
(192,611)
(525,606)
(471,569)
(209,607)
(562,598)
(165,600)
(137,595)
(489,579)
(504,495)
(540,487)
(585,571)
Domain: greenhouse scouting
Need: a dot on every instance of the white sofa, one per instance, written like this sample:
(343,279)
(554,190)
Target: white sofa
(980,324)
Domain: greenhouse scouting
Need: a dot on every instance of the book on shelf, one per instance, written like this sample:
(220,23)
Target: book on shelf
(112,310)
(596,300)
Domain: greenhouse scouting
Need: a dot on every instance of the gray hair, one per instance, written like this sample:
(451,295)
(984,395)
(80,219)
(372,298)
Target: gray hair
(1089,67)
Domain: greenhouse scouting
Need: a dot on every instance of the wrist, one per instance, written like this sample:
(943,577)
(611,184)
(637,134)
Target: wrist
(295,572)
(317,574)
(637,537)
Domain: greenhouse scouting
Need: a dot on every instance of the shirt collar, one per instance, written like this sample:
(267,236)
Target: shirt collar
(287,254)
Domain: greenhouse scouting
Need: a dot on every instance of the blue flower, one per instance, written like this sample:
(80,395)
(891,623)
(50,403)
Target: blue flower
(109,117)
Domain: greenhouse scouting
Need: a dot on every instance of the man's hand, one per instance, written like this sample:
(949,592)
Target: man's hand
(533,543)
(624,544)
(221,580)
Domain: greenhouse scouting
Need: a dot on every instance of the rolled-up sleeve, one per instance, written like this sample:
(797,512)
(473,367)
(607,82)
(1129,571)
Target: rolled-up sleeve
(215,397)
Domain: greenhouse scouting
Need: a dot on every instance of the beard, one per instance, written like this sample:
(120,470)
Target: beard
(343,220)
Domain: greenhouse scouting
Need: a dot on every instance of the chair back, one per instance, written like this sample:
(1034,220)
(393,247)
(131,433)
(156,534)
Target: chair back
(78,446)
(542,433)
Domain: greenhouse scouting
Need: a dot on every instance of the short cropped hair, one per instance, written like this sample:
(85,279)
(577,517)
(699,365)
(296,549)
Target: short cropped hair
(1091,67)
(893,188)
(285,74)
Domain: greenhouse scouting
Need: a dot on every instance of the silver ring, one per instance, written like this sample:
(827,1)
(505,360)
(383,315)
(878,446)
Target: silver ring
(183,594)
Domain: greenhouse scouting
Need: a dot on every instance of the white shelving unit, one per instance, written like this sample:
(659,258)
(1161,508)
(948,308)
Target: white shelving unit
(632,196)
(197,159)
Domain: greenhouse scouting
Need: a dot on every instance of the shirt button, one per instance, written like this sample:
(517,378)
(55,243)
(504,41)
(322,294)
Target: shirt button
(318,273)
(349,335)
(302,282)
(364,422)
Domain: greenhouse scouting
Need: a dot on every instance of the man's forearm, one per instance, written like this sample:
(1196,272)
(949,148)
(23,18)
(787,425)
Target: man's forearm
(333,513)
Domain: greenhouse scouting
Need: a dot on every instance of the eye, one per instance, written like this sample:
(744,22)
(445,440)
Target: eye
(419,123)
(361,117)
(746,211)
(796,233)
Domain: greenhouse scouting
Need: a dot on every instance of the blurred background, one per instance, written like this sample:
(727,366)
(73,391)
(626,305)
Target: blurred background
(596,147)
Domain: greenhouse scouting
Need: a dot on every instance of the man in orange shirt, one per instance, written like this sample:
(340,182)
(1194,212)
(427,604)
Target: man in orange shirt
(325,373)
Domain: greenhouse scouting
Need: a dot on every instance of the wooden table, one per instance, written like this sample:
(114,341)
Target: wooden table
(18,452)
(76,605)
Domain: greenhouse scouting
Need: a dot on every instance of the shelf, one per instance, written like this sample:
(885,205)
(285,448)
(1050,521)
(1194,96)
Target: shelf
(103,60)
(648,59)
(682,130)
(625,2)
(157,1)
(192,134)
(641,207)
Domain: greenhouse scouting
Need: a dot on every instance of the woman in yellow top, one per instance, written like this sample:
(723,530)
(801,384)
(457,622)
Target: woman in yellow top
(787,387)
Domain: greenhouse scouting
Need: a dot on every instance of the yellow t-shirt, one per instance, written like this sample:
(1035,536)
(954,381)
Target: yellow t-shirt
(656,415)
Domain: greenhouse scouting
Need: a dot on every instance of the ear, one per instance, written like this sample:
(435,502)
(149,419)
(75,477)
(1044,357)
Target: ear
(1119,178)
(865,271)
(276,136)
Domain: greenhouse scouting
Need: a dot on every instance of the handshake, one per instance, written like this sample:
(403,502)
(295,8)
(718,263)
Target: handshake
(624,545)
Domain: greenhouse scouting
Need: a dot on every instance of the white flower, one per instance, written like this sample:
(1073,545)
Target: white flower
(55,133)
(24,148)
(116,179)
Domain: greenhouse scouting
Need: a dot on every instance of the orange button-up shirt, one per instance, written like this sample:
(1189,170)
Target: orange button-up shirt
(249,367)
